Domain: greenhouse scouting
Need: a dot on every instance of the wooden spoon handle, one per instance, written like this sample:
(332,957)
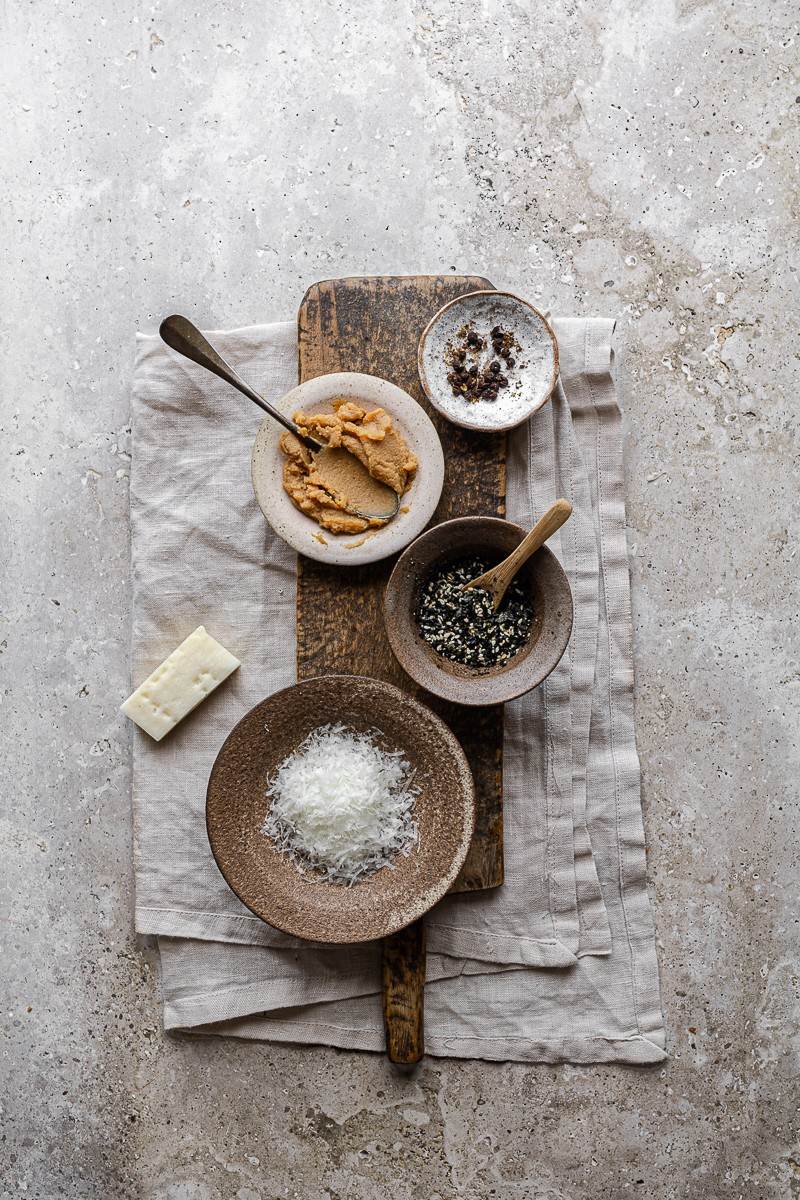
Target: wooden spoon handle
(544,528)
(403,993)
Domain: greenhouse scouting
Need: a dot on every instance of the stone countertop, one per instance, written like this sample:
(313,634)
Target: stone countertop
(621,160)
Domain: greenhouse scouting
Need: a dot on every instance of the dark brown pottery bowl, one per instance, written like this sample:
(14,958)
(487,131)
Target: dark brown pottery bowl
(542,577)
(268,882)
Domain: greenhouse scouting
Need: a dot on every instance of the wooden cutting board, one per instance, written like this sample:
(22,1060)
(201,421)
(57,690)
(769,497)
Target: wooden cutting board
(373,325)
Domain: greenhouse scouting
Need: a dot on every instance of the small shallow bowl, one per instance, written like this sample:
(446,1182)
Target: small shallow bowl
(531,379)
(543,579)
(269,882)
(416,505)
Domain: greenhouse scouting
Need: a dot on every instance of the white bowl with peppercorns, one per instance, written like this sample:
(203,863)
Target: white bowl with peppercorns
(488,360)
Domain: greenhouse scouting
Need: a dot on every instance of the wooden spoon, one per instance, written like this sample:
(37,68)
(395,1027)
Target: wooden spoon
(497,580)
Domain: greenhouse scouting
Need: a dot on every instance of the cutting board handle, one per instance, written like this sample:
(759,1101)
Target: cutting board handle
(403,972)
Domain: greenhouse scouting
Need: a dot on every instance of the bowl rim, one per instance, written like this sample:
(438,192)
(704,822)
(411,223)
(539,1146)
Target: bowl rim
(399,645)
(434,893)
(464,423)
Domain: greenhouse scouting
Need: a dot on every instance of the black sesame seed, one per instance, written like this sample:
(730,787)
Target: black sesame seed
(462,626)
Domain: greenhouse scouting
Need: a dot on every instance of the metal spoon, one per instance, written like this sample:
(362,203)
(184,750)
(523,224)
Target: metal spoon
(497,580)
(180,334)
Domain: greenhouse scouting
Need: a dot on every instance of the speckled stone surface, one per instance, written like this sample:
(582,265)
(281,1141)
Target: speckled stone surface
(622,159)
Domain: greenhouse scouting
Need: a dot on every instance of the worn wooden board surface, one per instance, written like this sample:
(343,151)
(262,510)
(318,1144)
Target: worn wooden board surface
(373,325)
(403,982)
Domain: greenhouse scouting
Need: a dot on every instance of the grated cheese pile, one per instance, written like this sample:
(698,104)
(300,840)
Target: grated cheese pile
(342,805)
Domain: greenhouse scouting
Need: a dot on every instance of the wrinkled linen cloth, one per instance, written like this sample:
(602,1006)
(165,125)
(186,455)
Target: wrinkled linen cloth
(558,964)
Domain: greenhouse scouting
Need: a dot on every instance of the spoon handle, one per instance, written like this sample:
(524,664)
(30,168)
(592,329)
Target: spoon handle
(544,528)
(181,335)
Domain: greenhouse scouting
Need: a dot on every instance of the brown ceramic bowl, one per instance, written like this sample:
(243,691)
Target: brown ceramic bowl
(542,577)
(268,882)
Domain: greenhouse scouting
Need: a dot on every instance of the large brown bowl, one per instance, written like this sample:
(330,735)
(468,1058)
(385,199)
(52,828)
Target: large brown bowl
(269,882)
(542,577)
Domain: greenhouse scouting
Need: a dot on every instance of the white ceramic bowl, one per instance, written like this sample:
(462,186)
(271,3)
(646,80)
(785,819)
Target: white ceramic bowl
(303,534)
(531,379)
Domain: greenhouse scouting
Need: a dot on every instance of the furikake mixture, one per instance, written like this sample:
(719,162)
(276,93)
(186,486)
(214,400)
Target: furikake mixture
(463,626)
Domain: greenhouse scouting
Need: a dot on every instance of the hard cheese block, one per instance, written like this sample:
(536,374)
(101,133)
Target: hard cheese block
(176,687)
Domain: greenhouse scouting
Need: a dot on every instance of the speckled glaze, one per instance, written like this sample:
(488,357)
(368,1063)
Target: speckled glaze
(417,504)
(542,577)
(268,882)
(531,379)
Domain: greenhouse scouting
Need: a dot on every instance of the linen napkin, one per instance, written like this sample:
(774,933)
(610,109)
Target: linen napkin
(575,895)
